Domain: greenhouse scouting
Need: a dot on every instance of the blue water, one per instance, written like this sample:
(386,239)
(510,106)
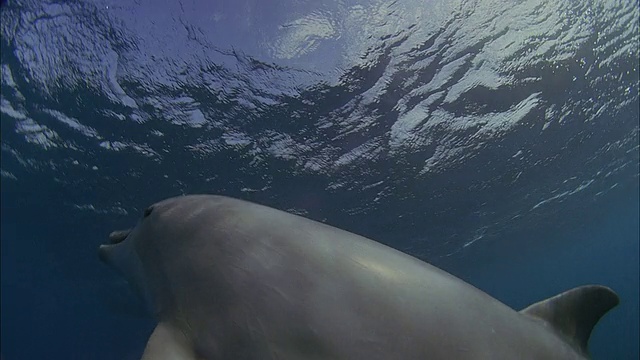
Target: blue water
(497,140)
(605,251)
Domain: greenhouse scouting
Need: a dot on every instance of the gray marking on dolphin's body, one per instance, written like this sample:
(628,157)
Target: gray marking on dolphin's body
(229,279)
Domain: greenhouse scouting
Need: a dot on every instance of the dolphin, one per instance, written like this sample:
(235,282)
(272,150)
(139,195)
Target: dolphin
(230,279)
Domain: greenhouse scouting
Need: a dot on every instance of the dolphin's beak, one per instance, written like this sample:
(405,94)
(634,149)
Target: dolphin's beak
(103,253)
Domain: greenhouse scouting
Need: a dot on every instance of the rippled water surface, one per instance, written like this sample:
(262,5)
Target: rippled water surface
(467,133)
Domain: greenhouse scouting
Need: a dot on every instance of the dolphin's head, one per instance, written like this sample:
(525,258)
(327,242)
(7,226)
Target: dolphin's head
(122,252)
(152,255)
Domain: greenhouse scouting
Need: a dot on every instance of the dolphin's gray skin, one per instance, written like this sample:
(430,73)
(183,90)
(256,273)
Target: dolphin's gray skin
(229,279)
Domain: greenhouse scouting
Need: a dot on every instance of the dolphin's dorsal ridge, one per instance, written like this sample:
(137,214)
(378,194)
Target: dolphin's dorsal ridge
(575,312)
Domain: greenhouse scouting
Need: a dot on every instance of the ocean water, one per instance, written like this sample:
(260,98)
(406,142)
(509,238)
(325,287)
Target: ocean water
(495,139)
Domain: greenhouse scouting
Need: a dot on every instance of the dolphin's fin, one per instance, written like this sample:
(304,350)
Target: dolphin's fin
(575,312)
(167,343)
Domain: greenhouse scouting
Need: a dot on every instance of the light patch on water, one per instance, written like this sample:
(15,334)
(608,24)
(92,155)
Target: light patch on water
(7,109)
(7,175)
(35,133)
(444,76)
(182,110)
(7,76)
(283,146)
(142,149)
(418,128)
(26,162)
(251,190)
(443,156)
(316,165)
(236,139)
(563,194)
(483,73)
(369,186)
(363,153)
(110,210)
(409,121)
(302,36)
(336,185)
(550,114)
(300,212)
(490,126)
(73,123)
(479,235)
(196,118)
(500,123)
(117,93)
(139,118)
(113,145)
(206,148)
(517,177)
(113,114)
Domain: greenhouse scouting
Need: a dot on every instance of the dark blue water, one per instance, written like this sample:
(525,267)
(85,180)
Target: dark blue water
(604,251)
(498,141)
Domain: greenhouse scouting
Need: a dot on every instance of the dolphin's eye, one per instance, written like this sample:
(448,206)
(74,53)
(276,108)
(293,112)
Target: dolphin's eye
(148,211)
